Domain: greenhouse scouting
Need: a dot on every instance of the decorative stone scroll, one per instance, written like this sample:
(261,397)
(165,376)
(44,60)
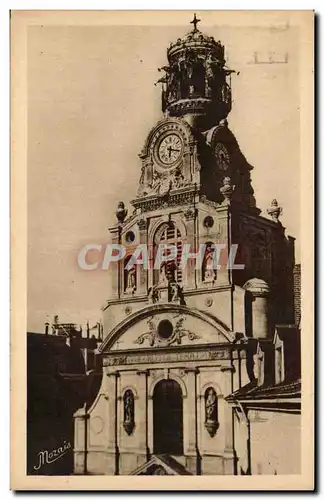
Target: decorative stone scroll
(165,333)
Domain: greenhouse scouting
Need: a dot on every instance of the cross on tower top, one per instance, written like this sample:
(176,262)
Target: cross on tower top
(195,21)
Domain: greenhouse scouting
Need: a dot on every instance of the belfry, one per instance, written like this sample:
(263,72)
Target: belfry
(182,343)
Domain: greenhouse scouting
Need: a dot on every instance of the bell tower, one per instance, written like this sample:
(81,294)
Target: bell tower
(195,186)
(179,333)
(195,84)
(192,146)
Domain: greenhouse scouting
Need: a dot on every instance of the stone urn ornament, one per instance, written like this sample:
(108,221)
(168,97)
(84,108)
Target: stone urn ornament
(121,212)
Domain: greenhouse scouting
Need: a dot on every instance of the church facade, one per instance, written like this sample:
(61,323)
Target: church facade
(188,349)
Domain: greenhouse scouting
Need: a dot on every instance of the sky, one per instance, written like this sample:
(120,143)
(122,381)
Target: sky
(92,102)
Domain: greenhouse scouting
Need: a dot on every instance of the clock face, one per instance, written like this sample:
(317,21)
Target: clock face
(222,156)
(170,149)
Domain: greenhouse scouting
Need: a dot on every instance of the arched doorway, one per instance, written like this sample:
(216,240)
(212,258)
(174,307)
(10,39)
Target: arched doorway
(167,418)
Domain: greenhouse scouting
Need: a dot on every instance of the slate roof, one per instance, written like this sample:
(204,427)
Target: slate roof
(271,392)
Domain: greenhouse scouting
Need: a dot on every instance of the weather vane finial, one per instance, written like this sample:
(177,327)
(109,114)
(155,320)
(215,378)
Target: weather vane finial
(195,21)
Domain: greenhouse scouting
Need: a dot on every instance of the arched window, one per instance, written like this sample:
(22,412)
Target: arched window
(129,411)
(171,235)
(211,411)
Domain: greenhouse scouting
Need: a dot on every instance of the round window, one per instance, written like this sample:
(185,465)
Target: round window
(165,329)
(130,237)
(208,221)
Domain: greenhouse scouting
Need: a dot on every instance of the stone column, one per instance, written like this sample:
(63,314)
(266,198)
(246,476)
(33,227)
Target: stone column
(223,274)
(142,272)
(190,272)
(260,319)
(260,314)
(150,423)
(115,267)
(191,446)
(112,418)
(229,453)
(80,441)
(142,418)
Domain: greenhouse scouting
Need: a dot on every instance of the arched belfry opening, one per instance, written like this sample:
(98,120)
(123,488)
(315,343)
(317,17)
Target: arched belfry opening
(169,234)
(167,418)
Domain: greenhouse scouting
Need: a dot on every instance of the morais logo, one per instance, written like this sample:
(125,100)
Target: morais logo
(46,457)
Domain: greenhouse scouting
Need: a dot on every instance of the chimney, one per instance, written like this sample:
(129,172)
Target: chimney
(46,328)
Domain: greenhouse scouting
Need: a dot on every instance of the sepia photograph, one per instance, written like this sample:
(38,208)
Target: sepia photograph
(162,288)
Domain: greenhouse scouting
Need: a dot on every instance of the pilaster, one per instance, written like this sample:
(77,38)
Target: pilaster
(113,421)
(223,213)
(190,221)
(142,273)
(142,411)
(115,268)
(229,452)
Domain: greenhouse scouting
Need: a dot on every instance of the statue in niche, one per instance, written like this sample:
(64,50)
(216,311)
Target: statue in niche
(173,82)
(183,79)
(170,81)
(130,279)
(209,75)
(208,271)
(211,423)
(226,93)
(167,272)
(162,278)
(129,420)
(174,292)
(153,295)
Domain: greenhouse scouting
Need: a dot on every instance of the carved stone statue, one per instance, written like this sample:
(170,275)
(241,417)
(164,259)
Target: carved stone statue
(128,407)
(153,295)
(167,272)
(129,421)
(211,423)
(131,279)
(156,183)
(178,180)
(208,272)
(211,405)
(174,292)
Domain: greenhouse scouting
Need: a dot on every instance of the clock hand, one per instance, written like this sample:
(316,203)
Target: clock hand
(170,148)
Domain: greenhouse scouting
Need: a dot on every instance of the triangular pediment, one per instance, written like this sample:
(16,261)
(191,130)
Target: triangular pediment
(161,465)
